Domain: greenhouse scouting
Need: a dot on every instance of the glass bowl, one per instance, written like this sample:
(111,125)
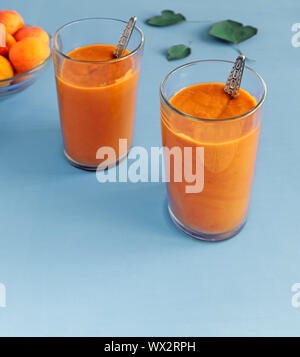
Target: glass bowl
(18,83)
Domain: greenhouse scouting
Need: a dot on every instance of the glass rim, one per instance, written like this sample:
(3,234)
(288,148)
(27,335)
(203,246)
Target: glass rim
(167,102)
(136,50)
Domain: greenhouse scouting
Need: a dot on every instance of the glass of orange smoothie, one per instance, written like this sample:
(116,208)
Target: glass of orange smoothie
(96,92)
(197,113)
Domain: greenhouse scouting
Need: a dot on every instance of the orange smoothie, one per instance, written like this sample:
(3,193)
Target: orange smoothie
(229,155)
(96,101)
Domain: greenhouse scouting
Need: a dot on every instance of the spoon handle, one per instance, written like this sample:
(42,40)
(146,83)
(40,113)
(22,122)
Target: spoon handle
(121,46)
(234,80)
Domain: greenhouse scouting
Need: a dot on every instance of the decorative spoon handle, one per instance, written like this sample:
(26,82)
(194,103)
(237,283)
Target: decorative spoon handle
(234,80)
(121,46)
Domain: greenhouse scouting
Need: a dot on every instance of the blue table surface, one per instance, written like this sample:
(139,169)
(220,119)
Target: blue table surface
(80,258)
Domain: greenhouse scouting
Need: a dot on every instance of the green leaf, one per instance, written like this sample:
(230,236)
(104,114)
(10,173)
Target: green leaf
(167,18)
(178,52)
(232,31)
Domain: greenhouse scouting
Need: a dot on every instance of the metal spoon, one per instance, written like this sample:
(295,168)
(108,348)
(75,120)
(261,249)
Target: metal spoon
(121,46)
(234,80)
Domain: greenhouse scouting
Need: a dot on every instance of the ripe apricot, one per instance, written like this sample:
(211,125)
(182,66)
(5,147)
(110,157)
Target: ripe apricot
(10,40)
(32,31)
(6,70)
(3,50)
(12,21)
(28,53)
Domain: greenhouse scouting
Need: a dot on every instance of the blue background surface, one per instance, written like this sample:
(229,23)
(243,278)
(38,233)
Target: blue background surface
(79,258)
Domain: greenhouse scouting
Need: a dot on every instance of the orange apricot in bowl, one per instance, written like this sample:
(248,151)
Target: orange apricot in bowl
(28,53)
(10,40)
(32,31)
(6,40)
(6,70)
(24,53)
(12,20)
(3,50)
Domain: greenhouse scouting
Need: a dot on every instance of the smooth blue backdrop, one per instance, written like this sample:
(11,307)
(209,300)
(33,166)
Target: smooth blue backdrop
(83,259)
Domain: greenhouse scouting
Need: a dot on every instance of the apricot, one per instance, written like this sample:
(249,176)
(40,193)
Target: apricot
(10,40)
(32,31)
(28,53)
(6,70)
(3,50)
(12,21)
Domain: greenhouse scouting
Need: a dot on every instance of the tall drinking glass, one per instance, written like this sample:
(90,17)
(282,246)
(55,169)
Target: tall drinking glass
(96,92)
(229,145)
